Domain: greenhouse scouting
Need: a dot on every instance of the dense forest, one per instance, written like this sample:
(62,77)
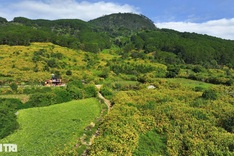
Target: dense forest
(171,93)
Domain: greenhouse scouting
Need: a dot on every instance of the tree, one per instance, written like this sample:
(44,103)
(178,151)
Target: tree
(41,99)
(68,72)
(90,91)
(172,71)
(52,63)
(3,20)
(105,73)
(76,89)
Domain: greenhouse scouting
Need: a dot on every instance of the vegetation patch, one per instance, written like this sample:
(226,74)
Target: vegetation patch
(44,130)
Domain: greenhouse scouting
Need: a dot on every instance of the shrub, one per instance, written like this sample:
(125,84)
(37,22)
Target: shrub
(199,102)
(27,90)
(52,63)
(209,95)
(69,72)
(14,87)
(75,92)
(172,71)
(105,73)
(228,123)
(230,82)
(75,83)
(62,95)
(105,91)
(14,104)
(41,99)
(90,91)
(142,79)
(198,69)
(8,121)
(198,89)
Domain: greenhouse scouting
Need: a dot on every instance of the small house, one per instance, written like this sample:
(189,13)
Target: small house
(54,81)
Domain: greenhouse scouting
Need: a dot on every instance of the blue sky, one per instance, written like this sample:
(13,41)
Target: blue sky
(212,17)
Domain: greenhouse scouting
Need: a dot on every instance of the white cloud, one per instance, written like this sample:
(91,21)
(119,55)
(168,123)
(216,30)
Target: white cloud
(57,9)
(222,28)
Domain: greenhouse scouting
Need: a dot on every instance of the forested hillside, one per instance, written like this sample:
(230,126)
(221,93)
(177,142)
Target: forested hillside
(190,48)
(123,24)
(171,93)
(126,31)
(75,34)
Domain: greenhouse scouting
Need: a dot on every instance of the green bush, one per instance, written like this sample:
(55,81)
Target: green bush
(41,99)
(78,90)
(105,91)
(198,69)
(210,95)
(46,96)
(69,72)
(8,121)
(90,91)
(62,95)
(14,104)
(75,83)
(172,71)
(228,122)
(198,89)
(199,102)
(75,92)
(230,82)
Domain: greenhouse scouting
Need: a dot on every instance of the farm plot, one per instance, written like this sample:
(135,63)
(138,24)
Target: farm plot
(44,130)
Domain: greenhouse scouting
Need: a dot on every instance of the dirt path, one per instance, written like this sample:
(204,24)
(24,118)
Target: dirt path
(107,102)
(91,140)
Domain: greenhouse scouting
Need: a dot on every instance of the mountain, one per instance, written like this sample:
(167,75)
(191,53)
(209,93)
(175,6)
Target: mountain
(120,22)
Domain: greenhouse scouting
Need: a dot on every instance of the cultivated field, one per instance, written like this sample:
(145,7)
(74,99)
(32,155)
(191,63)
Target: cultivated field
(44,130)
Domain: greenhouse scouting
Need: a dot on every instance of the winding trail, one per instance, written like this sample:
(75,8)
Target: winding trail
(91,140)
(107,102)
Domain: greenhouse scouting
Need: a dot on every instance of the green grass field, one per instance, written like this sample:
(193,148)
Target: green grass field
(189,83)
(44,129)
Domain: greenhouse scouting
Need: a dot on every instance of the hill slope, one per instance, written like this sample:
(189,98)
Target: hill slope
(36,62)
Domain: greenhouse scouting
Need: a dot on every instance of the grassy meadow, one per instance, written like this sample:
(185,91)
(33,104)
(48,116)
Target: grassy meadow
(45,130)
